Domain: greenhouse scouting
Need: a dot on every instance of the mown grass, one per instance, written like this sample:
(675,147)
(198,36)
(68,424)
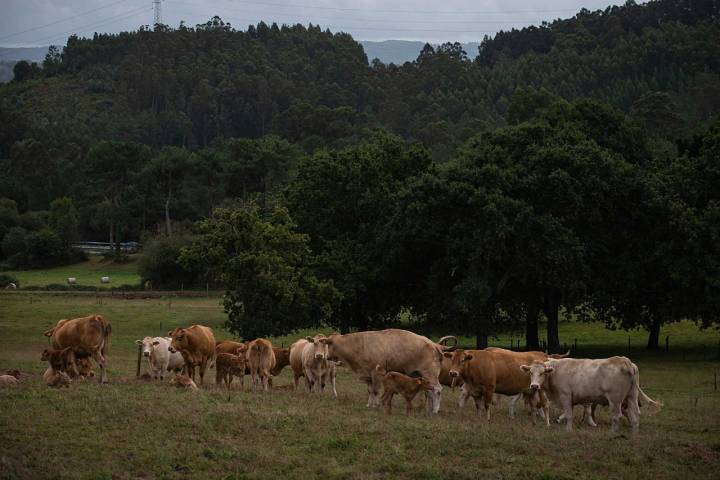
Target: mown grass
(131,429)
(87,273)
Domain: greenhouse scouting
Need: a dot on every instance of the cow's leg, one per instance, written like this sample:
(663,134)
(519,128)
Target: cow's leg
(102,363)
(266,380)
(589,414)
(463,396)
(433,399)
(488,403)
(408,406)
(296,380)
(332,383)
(511,408)
(567,407)
(615,414)
(633,411)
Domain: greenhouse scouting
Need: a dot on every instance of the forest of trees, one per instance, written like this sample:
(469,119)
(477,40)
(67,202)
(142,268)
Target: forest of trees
(571,167)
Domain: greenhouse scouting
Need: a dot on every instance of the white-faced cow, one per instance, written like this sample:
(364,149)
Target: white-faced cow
(569,381)
(318,370)
(160,358)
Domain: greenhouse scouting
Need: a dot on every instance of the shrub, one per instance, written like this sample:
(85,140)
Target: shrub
(6,279)
(160,264)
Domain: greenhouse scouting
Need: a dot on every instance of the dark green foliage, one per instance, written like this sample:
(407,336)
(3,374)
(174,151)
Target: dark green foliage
(267,269)
(160,264)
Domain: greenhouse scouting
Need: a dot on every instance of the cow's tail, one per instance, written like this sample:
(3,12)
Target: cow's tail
(106,331)
(642,396)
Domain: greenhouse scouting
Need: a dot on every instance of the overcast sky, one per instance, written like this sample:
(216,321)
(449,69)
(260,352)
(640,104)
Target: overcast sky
(43,22)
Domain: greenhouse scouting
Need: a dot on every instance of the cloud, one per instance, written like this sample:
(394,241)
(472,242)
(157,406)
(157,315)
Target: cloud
(52,21)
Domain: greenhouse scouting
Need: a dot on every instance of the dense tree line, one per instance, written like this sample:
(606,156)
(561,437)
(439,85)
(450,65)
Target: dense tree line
(571,167)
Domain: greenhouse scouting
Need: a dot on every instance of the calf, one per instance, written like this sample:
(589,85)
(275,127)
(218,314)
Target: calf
(56,378)
(228,366)
(160,358)
(396,382)
(8,380)
(61,360)
(183,381)
(261,360)
(568,382)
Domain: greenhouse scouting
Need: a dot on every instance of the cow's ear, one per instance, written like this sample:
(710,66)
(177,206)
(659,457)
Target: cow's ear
(549,370)
(170,333)
(468,357)
(138,342)
(324,341)
(156,343)
(525,368)
(447,354)
(310,339)
(418,381)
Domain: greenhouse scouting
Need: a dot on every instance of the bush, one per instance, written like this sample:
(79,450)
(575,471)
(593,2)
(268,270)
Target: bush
(42,248)
(160,264)
(6,280)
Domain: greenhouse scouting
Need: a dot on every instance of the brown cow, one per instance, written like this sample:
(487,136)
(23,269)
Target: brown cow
(228,366)
(395,382)
(196,344)
(296,363)
(397,350)
(89,335)
(261,360)
(282,360)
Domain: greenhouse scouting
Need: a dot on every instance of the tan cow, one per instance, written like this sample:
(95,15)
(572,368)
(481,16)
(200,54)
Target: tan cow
(61,360)
(571,381)
(228,346)
(296,362)
(316,367)
(89,335)
(261,361)
(397,350)
(196,344)
(56,378)
(6,380)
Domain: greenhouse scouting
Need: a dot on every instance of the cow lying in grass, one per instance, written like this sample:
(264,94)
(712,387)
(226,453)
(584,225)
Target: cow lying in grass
(398,383)
(183,381)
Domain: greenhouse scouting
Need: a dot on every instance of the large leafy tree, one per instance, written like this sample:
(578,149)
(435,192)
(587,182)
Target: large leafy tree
(267,269)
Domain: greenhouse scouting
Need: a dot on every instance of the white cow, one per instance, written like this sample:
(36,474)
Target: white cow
(317,368)
(572,381)
(160,359)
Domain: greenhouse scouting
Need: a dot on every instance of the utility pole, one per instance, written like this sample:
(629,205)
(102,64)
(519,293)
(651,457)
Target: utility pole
(157,7)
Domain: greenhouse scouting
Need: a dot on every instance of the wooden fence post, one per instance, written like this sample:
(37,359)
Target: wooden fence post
(139,358)
(628,343)
(667,343)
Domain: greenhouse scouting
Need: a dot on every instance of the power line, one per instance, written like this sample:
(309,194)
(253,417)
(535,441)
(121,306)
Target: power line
(113,19)
(311,17)
(62,20)
(427,12)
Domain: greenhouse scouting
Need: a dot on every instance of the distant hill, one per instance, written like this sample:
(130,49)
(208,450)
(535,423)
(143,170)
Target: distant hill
(401,51)
(9,56)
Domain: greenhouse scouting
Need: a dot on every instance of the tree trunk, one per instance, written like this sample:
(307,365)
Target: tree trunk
(168,223)
(551,308)
(654,337)
(481,338)
(532,339)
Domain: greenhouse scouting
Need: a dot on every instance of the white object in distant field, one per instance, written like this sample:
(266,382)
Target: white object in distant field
(72,280)
(104,279)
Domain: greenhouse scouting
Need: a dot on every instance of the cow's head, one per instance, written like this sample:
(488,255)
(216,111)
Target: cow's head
(147,345)
(538,371)
(241,351)
(457,360)
(424,383)
(319,346)
(330,342)
(179,340)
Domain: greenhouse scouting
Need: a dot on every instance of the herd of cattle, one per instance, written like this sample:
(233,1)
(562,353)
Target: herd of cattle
(396,361)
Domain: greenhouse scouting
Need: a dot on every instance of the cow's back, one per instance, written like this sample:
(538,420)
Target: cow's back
(227,346)
(89,333)
(588,379)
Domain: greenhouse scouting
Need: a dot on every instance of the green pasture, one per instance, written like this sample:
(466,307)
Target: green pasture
(130,429)
(87,273)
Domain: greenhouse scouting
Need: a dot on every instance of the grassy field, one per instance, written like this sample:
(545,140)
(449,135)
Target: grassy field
(87,273)
(129,429)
